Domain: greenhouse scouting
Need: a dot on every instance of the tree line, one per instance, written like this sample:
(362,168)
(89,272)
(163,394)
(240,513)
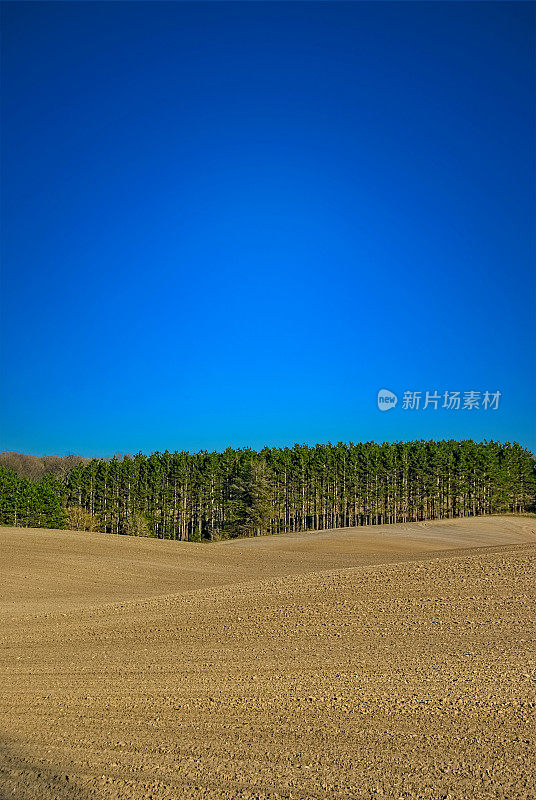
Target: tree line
(34,467)
(243,492)
(32,504)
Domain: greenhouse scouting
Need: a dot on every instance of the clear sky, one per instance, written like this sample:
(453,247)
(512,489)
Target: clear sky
(233,223)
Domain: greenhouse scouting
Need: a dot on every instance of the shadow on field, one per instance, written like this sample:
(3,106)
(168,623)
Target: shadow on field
(22,779)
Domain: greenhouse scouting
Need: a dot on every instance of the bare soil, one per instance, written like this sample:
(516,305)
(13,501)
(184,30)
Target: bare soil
(394,662)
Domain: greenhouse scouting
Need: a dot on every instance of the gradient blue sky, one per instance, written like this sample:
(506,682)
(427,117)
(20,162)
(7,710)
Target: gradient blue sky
(232,223)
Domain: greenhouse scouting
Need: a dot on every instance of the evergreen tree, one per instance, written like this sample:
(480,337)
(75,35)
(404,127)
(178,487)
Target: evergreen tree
(250,501)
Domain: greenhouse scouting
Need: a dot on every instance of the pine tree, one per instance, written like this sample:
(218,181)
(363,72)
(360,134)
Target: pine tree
(250,501)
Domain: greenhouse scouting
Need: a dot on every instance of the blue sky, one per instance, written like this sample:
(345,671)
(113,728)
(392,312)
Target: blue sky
(233,223)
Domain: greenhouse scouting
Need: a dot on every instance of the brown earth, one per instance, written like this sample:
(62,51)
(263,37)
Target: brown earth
(394,662)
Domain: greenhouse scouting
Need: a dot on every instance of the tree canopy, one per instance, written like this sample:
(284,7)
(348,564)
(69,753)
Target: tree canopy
(209,495)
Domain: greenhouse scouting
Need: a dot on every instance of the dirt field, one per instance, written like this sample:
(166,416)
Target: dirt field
(397,662)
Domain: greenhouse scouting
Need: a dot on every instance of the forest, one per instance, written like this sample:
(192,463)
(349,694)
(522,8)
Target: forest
(207,496)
